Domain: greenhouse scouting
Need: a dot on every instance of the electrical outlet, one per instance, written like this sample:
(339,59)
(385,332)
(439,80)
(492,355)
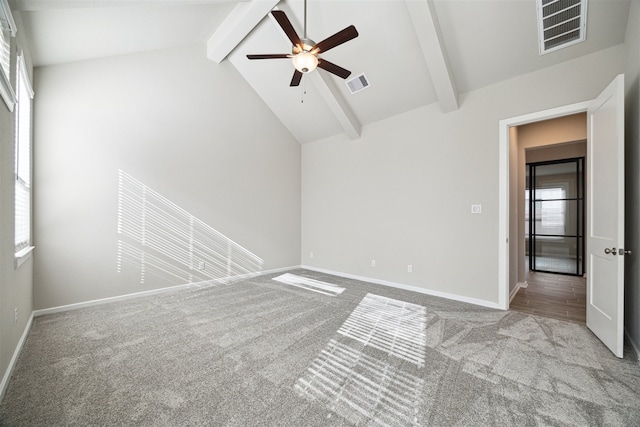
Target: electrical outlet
(310,254)
(410,268)
(476,209)
(373,263)
(15,316)
(202,266)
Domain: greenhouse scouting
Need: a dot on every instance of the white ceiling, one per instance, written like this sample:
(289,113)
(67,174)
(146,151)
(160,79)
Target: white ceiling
(414,52)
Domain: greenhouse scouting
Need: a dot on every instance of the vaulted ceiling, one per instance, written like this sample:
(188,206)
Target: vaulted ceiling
(413,52)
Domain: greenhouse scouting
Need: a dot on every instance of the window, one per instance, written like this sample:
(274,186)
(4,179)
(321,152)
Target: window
(7,30)
(550,213)
(23,161)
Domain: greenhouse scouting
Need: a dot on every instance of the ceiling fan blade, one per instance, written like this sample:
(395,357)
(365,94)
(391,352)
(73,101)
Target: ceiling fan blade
(286,26)
(297,76)
(337,39)
(269,56)
(333,68)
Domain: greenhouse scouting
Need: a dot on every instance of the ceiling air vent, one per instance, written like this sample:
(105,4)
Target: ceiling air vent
(358,83)
(561,23)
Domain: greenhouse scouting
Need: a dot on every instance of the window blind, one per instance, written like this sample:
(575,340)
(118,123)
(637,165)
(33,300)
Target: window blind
(5,46)
(7,30)
(23,159)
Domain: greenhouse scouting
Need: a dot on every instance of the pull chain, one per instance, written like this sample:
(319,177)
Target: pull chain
(303,88)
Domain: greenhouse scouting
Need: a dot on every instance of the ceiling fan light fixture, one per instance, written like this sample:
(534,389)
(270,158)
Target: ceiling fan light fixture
(305,62)
(304,52)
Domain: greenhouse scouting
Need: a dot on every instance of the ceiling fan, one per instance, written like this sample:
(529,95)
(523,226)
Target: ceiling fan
(304,53)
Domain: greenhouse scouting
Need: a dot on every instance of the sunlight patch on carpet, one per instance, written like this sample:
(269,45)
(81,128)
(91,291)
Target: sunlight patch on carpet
(362,388)
(393,326)
(310,284)
(362,374)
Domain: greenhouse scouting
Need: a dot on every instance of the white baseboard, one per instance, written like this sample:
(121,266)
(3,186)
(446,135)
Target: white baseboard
(446,295)
(634,346)
(125,297)
(515,290)
(14,358)
(78,305)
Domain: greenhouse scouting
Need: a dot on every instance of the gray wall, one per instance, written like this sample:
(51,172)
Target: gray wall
(557,152)
(632,156)
(402,193)
(15,284)
(189,129)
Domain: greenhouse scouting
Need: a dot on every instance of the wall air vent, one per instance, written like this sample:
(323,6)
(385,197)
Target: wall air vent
(358,83)
(561,23)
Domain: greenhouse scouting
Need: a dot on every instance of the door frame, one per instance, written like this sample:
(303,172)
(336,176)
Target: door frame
(503,185)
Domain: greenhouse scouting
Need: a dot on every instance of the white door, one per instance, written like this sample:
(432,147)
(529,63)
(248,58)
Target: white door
(605,216)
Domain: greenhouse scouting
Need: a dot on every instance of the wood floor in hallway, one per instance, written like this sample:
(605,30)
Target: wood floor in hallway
(553,295)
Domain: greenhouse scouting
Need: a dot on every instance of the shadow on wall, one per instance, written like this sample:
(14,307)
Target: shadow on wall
(159,238)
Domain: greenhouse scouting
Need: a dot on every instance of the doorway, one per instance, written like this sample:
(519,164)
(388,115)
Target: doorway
(511,274)
(553,228)
(546,178)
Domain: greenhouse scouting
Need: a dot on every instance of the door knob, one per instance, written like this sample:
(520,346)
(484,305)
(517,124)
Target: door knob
(624,251)
(610,251)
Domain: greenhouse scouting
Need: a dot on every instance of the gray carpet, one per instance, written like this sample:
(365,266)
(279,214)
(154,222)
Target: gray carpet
(264,353)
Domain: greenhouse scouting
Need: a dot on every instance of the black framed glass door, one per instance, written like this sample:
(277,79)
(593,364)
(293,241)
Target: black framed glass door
(554,216)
